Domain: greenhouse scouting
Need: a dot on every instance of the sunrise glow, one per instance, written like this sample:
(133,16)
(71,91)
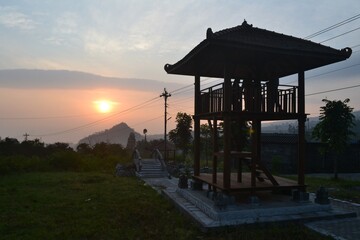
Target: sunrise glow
(104,106)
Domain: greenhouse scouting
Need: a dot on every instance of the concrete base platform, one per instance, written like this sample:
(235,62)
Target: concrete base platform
(271,207)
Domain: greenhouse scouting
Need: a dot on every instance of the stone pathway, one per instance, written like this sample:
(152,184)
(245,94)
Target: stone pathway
(343,224)
(342,229)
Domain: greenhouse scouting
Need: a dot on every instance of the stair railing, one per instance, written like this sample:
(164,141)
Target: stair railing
(156,154)
(137,160)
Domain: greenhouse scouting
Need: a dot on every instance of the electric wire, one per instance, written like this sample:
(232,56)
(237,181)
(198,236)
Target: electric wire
(188,88)
(353,30)
(336,70)
(136,107)
(332,90)
(321,74)
(346,21)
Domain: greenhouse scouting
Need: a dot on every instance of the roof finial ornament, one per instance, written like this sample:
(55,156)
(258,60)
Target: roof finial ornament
(245,24)
(209,33)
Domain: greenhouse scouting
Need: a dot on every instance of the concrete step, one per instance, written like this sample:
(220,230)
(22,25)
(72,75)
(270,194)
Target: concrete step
(151,168)
(151,175)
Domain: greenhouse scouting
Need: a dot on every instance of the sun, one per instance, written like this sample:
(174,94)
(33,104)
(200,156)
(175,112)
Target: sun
(104,106)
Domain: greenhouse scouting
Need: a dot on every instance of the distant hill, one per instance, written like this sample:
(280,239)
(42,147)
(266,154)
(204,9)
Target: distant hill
(291,125)
(118,134)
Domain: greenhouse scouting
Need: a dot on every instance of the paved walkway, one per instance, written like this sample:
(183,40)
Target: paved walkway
(342,224)
(343,229)
(348,176)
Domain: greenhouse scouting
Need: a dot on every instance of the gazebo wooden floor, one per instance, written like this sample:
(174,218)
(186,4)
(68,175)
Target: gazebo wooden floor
(245,185)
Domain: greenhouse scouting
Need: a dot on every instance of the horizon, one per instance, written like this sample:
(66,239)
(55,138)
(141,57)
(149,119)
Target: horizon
(125,46)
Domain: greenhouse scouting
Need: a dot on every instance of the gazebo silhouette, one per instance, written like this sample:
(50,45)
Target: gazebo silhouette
(250,61)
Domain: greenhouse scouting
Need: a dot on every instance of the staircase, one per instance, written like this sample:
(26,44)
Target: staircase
(151,168)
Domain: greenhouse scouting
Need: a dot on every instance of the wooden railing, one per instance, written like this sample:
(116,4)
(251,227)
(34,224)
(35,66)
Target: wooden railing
(255,99)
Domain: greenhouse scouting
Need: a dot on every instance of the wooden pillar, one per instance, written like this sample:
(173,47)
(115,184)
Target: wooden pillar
(197,108)
(227,130)
(301,128)
(216,150)
(256,149)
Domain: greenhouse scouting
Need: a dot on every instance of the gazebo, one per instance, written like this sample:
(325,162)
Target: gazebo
(250,61)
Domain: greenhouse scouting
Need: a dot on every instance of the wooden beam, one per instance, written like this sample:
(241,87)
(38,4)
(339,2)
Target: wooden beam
(301,128)
(216,149)
(255,138)
(197,127)
(227,130)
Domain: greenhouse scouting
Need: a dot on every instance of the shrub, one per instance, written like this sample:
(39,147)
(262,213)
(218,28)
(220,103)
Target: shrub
(66,160)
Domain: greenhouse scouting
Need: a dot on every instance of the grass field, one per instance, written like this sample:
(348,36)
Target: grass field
(343,189)
(69,205)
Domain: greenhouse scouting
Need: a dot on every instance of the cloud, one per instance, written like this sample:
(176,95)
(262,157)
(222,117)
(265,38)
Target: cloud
(12,18)
(98,43)
(62,79)
(65,30)
(67,23)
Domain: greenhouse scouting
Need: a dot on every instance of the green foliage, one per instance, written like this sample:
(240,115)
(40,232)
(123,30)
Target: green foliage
(65,161)
(276,163)
(30,156)
(181,135)
(86,206)
(336,121)
(334,128)
(19,163)
(343,189)
(67,205)
(206,143)
(240,134)
(131,142)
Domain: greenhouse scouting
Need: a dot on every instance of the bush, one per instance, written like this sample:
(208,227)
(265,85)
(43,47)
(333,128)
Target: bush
(33,156)
(19,163)
(66,160)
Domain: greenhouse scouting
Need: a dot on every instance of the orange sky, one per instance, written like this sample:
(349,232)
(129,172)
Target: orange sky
(49,112)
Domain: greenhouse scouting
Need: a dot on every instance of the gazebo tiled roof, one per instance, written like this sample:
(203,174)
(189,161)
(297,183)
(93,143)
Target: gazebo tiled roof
(254,53)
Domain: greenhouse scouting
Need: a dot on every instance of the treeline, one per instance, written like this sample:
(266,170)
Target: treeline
(34,155)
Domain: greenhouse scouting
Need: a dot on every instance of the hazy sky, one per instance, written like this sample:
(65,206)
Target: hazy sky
(135,39)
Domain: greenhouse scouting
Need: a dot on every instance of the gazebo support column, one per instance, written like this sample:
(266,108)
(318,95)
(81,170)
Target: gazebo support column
(227,157)
(227,130)
(256,149)
(301,128)
(197,127)
(215,149)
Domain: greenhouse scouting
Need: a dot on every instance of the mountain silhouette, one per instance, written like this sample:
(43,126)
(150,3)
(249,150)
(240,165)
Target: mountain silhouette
(118,134)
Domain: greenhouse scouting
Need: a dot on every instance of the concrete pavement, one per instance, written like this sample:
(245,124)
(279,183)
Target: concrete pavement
(337,219)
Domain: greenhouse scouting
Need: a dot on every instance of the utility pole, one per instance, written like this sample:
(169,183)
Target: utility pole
(26,135)
(165,94)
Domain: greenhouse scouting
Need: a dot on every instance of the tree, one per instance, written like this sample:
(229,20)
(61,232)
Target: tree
(334,128)
(205,134)
(131,142)
(181,135)
(84,148)
(145,132)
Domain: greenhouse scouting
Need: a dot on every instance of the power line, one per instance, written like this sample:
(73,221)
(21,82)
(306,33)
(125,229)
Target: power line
(136,107)
(332,90)
(187,86)
(321,74)
(355,29)
(346,21)
(336,70)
